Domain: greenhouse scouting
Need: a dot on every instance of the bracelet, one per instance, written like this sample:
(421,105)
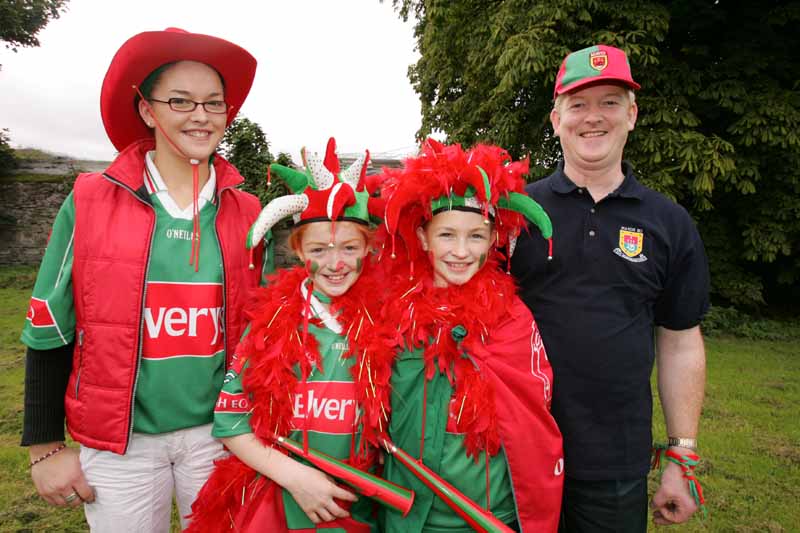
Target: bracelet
(683,442)
(687,464)
(49,454)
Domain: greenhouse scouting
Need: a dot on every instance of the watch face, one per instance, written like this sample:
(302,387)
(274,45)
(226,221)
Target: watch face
(683,442)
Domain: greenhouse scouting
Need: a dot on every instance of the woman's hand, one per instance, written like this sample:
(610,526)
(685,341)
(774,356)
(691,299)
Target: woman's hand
(59,479)
(314,492)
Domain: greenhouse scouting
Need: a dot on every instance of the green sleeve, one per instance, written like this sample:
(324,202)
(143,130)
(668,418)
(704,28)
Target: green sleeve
(232,411)
(51,316)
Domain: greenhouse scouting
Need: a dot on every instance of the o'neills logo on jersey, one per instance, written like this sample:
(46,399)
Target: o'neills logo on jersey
(328,407)
(182,320)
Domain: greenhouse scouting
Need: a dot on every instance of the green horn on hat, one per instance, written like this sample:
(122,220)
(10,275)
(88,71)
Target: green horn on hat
(486,187)
(296,180)
(530,209)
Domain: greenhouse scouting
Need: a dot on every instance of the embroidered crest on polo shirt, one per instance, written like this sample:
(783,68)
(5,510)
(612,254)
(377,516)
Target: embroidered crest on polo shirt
(631,241)
(598,60)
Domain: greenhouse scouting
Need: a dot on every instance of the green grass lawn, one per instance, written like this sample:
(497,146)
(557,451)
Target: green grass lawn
(750,434)
(21,509)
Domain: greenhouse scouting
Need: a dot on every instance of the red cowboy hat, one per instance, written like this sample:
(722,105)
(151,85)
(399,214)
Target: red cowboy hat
(145,52)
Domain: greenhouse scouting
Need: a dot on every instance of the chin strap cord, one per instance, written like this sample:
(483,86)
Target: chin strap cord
(194,257)
(195,254)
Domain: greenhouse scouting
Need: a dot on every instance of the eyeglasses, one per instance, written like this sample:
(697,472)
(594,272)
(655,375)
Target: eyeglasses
(184,105)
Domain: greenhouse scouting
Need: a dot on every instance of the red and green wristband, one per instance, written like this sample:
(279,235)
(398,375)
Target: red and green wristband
(688,462)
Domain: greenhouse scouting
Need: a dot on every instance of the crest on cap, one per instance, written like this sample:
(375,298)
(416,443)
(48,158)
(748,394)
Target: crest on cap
(321,193)
(598,60)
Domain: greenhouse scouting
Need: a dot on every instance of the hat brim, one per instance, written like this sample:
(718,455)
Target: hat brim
(582,84)
(143,53)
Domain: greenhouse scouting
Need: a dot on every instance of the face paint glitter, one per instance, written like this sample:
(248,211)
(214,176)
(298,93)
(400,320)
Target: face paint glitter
(482,260)
(313,267)
(359,264)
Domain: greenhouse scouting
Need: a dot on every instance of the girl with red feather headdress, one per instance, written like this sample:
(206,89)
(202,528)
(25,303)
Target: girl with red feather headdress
(471,386)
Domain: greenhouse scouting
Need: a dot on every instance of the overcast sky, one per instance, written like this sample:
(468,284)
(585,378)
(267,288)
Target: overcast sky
(49,96)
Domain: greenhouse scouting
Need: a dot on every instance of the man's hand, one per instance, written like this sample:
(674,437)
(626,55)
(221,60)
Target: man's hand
(672,503)
(59,479)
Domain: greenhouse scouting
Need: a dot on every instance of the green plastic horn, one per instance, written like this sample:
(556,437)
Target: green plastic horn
(530,209)
(296,180)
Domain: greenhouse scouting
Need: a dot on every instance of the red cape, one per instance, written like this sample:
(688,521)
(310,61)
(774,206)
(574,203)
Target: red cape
(530,436)
(504,387)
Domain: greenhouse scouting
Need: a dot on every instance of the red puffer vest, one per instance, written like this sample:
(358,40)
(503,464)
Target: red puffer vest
(114,222)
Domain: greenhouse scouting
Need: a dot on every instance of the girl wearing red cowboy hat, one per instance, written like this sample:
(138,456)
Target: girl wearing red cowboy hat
(471,386)
(139,297)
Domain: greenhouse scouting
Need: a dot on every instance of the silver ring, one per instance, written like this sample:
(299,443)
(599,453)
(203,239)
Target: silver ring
(69,498)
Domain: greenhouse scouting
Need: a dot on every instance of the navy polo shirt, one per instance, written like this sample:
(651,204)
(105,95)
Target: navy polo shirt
(621,266)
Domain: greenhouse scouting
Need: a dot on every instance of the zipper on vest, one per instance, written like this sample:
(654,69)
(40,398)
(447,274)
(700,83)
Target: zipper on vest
(80,361)
(226,359)
(141,307)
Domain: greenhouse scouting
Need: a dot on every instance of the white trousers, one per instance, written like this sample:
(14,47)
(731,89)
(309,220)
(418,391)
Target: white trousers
(133,492)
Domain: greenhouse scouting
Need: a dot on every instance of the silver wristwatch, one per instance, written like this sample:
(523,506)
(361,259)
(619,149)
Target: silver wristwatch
(682,442)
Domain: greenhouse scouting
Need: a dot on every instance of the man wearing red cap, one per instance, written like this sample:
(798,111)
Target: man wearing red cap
(627,286)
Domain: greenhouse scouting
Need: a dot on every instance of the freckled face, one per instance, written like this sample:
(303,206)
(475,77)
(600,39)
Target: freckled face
(593,124)
(197,133)
(333,270)
(458,243)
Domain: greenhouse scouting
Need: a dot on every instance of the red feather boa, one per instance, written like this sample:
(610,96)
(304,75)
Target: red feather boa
(426,316)
(273,347)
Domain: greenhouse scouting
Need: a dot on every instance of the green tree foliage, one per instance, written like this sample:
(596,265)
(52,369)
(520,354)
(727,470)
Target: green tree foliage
(245,146)
(21,20)
(719,109)
(8,161)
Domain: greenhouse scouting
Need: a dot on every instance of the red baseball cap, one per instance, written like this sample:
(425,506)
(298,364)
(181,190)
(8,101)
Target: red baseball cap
(596,64)
(143,53)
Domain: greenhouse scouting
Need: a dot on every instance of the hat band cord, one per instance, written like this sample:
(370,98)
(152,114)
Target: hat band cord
(194,256)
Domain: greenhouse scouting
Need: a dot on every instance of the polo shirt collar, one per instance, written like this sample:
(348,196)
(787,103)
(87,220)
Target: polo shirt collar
(630,187)
(155,183)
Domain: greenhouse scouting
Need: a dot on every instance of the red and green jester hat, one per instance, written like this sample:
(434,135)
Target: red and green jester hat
(321,192)
(483,369)
(280,352)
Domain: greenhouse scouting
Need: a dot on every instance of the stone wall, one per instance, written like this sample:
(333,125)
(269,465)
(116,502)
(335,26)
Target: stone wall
(28,208)
(27,212)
